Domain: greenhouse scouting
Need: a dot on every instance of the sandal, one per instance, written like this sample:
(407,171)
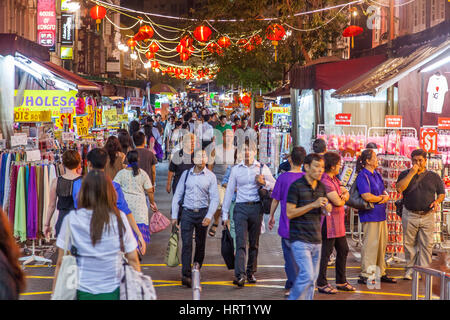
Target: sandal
(212,232)
(328,289)
(346,287)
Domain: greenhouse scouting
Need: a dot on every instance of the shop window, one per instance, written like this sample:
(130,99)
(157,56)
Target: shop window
(306,118)
(437,12)
(332,107)
(419,15)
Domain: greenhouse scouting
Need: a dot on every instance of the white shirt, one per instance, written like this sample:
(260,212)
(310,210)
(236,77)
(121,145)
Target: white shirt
(201,192)
(437,88)
(207,131)
(242,179)
(100,267)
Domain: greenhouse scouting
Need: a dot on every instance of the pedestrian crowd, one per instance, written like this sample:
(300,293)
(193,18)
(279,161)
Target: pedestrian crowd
(213,175)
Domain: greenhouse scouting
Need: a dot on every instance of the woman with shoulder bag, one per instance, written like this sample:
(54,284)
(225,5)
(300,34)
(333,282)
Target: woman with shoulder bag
(371,188)
(95,240)
(333,228)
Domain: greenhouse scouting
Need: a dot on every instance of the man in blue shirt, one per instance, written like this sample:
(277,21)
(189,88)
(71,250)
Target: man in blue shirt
(97,161)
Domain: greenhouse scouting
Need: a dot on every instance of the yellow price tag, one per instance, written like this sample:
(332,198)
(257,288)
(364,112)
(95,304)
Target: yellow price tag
(64,117)
(32,116)
(123,117)
(82,125)
(268,118)
(99,115)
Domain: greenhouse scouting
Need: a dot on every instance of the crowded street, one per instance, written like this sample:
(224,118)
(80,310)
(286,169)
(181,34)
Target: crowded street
(239,154)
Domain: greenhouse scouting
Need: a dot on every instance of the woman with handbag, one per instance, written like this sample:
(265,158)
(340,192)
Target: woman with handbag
(95,240)
(371,188)
(333,228)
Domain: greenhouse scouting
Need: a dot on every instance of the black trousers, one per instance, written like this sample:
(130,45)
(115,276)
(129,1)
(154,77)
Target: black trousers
(191,221)
(341,257)
(247,221)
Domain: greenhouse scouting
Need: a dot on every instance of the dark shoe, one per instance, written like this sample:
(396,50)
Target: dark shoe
(387,279)
(362,280)
(251,279)
(185,281)
(346,287)
(239,282)
(212,232)
(328,289)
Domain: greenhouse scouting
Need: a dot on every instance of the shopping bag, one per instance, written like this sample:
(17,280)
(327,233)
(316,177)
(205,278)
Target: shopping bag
(67,282)
(158,222)
(172,257)
(227,248)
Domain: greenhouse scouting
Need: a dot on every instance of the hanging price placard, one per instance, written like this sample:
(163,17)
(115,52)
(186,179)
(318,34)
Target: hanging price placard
(268,118)
(32,116)
(82,126)
(428,140)
(123,117)
(64,117)
(19,140)
(110,115)
(98,117)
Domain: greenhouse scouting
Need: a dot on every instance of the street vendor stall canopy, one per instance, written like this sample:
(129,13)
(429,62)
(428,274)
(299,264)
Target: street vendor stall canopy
(162,88)
(394,69)
(332,75)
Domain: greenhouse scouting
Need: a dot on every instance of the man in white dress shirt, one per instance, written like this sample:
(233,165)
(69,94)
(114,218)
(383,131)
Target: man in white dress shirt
(246,179)
(201,198)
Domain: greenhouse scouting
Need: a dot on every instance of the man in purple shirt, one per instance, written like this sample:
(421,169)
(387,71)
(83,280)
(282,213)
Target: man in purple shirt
(279,194)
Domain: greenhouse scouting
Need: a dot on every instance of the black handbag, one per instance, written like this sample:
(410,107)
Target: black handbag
(264,196)
(227,248)
(356,201)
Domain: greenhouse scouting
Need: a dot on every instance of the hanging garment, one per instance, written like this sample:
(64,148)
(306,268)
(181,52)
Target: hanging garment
(2,177)
(32,206)
(27,183)
(52,176)
(12,195)
(39,204)
(46,197)
(20,220)
(7,182)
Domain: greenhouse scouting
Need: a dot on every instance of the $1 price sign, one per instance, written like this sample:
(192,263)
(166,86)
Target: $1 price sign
(428,140)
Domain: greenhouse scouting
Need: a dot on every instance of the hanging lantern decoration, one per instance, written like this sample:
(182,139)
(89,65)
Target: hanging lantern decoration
(146,32)
(187,41)
(212,47)
(153,47)
(202,34)
(184,56)
(131,43)
(352,31)
(242,42)
(246,100)
(154,64)
(98,13)
(149,55)
(224,42)
(275,32)
(181,48)
(219,51)
(249,47)
(256,40)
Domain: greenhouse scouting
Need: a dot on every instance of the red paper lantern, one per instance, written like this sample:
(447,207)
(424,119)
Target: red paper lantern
(275,32)
(256,40)
(147,31)
(181,48)
(140,36)
(224,42)
(246,100)
(153,47)
(242,42)
(155,64)
(212,47)
(249,47)
(131,43)
(98,13)
(184,56)
(187,41)
(202,33)
(149,55)
(352,31)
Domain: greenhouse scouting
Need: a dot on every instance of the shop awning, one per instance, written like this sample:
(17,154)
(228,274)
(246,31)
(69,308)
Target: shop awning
(81,83)
(392,70)
(11,43)
(332,75)
(282,91)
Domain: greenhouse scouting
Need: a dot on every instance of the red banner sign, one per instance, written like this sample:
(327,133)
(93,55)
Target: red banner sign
(343,119)
(46,23)
(393,121)
(443,123)
(428,140)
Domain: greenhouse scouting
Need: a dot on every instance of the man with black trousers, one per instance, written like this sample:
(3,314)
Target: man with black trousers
(246,178)
(200,202)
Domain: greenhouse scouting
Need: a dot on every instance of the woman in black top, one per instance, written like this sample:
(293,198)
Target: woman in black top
(61,190)
(12,278)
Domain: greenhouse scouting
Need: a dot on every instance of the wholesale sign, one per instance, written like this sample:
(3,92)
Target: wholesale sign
(46,23)
(43,100)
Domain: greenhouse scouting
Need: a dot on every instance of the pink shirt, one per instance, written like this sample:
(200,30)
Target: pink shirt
(336,220)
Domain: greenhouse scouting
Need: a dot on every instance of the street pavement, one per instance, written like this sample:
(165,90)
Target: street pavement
(216,279)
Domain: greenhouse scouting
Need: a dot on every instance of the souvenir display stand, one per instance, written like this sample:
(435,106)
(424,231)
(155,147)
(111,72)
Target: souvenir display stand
(272,144)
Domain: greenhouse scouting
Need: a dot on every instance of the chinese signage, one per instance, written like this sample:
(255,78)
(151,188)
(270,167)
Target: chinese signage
(46,23)
(43,100)
(67,29)
(343,119)
(393,121)
(444,123)
(428,140)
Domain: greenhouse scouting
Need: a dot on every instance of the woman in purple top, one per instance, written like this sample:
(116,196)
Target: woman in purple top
(279,194)
(371,187)
(333,228)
